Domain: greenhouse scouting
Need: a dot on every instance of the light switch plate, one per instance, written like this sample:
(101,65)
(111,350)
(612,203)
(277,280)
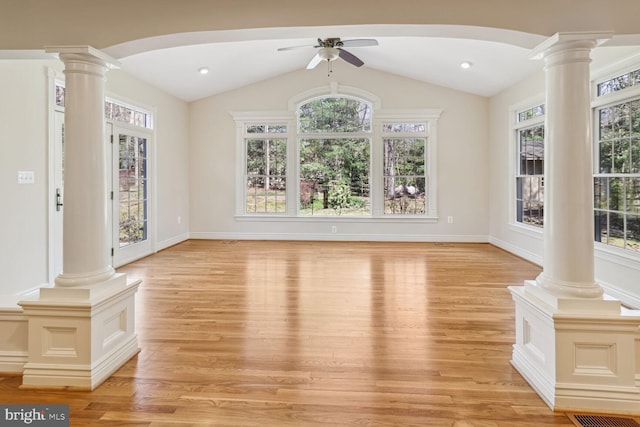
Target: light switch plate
(26,177)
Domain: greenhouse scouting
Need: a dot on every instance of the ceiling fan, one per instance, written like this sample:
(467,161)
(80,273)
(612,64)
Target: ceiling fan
(330,49)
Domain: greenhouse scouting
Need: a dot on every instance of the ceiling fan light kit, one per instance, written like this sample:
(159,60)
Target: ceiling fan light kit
(331,49)
(329,53)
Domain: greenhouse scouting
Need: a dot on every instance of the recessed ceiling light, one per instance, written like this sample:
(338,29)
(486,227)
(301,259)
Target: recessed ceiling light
(203,70)
(465,65)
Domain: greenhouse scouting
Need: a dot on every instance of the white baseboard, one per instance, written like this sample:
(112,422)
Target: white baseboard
(529,256)
(13,339)
(341,237)
(536,377)
(12,361)
(171,241)
(158,247)
(616,399)
(628,299)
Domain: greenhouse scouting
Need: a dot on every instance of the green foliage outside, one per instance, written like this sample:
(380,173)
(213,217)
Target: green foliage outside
(335,161)
(339,195)
(334,168)
(617,198)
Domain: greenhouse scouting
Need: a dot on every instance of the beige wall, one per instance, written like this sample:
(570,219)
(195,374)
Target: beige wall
(171,154)
(24,136)
(463,190)
(502,155)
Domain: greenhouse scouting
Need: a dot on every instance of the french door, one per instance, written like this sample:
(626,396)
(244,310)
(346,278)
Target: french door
(131,194)
(57,195)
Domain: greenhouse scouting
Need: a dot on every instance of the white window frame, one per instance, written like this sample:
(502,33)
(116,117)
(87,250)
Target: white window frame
(430,118)
(613,253)
(515,127)
(379,117)
(243,120)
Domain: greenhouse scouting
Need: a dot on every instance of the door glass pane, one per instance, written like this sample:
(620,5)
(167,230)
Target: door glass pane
(132,189)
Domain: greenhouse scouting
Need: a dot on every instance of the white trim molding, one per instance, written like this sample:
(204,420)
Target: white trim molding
(341,237)
(78,336)
(13,339)
(577,353)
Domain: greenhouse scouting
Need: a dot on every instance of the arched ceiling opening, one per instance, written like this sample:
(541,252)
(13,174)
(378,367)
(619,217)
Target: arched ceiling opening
(165,42)
(430,53)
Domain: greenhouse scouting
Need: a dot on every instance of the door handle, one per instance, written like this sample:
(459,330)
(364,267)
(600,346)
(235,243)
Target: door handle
(58,200)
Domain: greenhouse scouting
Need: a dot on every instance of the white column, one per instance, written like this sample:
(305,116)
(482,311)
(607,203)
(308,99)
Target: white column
(87,238)
(83,329)
(568,268)
(575,346)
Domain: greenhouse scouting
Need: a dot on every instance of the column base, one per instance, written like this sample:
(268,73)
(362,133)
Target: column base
(79,336)
(70,280)
(578,354)
(568,290)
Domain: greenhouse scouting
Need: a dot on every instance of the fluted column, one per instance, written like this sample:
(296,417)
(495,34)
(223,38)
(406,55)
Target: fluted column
(568,268)
(87,235)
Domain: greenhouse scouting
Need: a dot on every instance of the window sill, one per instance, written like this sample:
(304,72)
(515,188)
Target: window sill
(617,255)
(342,219)
(527,230)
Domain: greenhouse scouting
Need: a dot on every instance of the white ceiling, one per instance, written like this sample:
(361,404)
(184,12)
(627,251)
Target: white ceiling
(238,58)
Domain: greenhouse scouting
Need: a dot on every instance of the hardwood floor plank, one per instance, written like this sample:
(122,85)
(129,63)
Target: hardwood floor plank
(306,334)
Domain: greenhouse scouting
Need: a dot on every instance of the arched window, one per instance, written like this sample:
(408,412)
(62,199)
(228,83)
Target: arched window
(337,154)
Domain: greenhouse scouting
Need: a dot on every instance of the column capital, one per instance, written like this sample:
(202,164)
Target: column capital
(86,53)
(583,38)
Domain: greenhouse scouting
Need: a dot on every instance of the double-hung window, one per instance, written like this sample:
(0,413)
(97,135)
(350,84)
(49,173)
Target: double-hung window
(405,167)
(529,179)
(617,161)
(266,168)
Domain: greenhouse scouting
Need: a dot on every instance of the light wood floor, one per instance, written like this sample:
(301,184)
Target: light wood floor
(285,334)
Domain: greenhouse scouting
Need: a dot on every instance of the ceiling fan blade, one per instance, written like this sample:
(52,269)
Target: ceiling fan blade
(359,42)
(314,61)
(295,47)
(350,58)
(320,44)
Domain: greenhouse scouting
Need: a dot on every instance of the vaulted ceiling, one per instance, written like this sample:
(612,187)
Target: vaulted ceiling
(433,54)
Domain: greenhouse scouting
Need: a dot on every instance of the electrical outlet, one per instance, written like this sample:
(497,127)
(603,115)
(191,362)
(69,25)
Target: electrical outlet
(179,220)
(449,220)
(334,228)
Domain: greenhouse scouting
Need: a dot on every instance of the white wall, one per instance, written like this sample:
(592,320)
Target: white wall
(171,154)
(463,190)
(24,131)
(23,138)
(526,242)
(617,271)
